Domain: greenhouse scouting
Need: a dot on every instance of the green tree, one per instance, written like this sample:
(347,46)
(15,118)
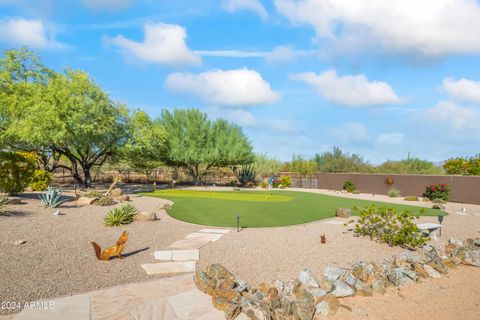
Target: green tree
(197,144)
(409,166)
(145,146)
(301,165)
(267,167)
(464,166)
(339,161)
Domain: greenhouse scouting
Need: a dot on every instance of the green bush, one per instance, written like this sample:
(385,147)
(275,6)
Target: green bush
(411,198)
(349,186)
(120,216)
(389,226)
(105,201)
(285,181)
(92,194)
(16,170)
(393,193)
(438,201)
(437,191)
(40,180)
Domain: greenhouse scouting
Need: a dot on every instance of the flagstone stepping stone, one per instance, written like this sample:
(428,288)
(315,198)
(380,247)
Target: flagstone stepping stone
(207,230)
(177,255)
(188,244)
(207,236)
(169,267)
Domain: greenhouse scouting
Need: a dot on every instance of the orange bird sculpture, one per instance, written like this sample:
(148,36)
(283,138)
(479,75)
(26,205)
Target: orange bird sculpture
(116,250)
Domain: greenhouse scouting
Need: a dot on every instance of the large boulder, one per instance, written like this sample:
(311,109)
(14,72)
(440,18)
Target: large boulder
(84,201)
(343,212)
(122,198)
(117,192)
(145,216)
(308,278)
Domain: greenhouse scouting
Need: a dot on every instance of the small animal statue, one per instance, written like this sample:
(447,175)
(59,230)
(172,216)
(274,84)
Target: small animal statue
(323,239)
(116,250)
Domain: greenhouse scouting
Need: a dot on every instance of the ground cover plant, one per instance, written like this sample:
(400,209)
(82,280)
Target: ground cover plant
(262,208)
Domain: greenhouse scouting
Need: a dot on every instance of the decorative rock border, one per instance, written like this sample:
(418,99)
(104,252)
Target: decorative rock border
(309,297)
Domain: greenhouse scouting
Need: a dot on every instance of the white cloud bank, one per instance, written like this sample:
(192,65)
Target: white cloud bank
(238,87)
(110,5)
(350,90)
(425,27)
(454,117)
(33,33)
(463,89)
(163,44)
(248,5)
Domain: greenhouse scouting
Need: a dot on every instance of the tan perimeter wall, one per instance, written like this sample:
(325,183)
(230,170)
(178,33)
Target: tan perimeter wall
(464,189)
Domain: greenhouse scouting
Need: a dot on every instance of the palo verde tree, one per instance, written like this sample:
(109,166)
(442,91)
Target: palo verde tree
(59,115)
(339,161)
(145,147)
(197,144)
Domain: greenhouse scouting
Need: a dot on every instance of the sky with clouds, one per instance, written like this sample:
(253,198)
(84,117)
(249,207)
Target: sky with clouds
(382,78)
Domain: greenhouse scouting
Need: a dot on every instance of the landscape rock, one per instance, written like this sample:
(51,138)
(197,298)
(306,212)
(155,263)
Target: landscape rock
(117,192)
(84,201)
(343,212)
(363,289)
(160,213)
(304,307)
(341,289)
(123,198)
(145,216)
(431,271)
(439,206)
(332,273)
(327,306)
(307,278)
(379,287)
(19,242)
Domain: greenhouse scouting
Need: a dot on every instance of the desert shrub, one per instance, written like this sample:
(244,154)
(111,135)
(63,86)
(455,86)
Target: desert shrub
(285,181)
(264,184)
(390,226)
(52,197)
(92,194)
(40,180)
(105,201)
(120,215)
(16,170)
(438,201)
(233,183)
(411,198)
(437,191)
(349,186)
(393,193)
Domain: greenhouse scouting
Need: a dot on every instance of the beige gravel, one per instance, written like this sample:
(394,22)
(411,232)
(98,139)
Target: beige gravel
(58,259)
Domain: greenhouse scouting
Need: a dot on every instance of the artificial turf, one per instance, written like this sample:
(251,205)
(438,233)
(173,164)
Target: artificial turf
(263,209)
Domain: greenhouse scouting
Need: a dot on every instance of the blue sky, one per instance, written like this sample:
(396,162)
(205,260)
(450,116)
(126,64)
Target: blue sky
(381,78)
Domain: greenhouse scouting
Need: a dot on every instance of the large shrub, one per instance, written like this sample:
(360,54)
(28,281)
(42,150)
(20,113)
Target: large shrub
(16,171)
(437,191)
(349,186)
(285,181)
(465,166)
(389,226)
(40,180)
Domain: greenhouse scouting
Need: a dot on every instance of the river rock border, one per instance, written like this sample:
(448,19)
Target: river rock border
(309,297)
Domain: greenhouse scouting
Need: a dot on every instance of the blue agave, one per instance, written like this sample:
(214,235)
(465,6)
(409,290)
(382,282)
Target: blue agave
(52,197)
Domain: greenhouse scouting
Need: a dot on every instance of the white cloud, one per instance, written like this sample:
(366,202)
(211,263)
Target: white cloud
(232,53)
(163,44)
(107,4)
(463,89)
(33,33)
(239,87)
(352,91)
(250,5)
(349,132)
(453,117)
(390,138)
(426,28)
(283,54)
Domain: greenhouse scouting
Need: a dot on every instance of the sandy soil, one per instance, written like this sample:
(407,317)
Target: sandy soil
(58,258)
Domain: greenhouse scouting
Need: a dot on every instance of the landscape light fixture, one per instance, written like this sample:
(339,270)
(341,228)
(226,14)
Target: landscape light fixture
(440,220)
(238,223)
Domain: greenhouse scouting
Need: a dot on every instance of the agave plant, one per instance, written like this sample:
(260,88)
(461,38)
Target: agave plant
(52,197)
(246,175)
(120,215)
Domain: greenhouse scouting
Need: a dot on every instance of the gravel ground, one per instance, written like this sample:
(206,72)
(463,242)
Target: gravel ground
(58,259)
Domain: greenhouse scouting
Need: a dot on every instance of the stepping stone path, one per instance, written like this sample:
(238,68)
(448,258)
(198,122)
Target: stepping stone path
(185,253)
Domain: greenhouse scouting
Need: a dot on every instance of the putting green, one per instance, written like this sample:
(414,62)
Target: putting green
(264,209)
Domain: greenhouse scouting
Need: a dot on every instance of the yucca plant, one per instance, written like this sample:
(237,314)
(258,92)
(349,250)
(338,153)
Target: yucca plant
(52,197)
(120,215)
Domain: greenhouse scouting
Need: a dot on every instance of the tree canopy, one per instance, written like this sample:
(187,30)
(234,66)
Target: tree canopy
(197,144)
(409,166)
(339,161)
